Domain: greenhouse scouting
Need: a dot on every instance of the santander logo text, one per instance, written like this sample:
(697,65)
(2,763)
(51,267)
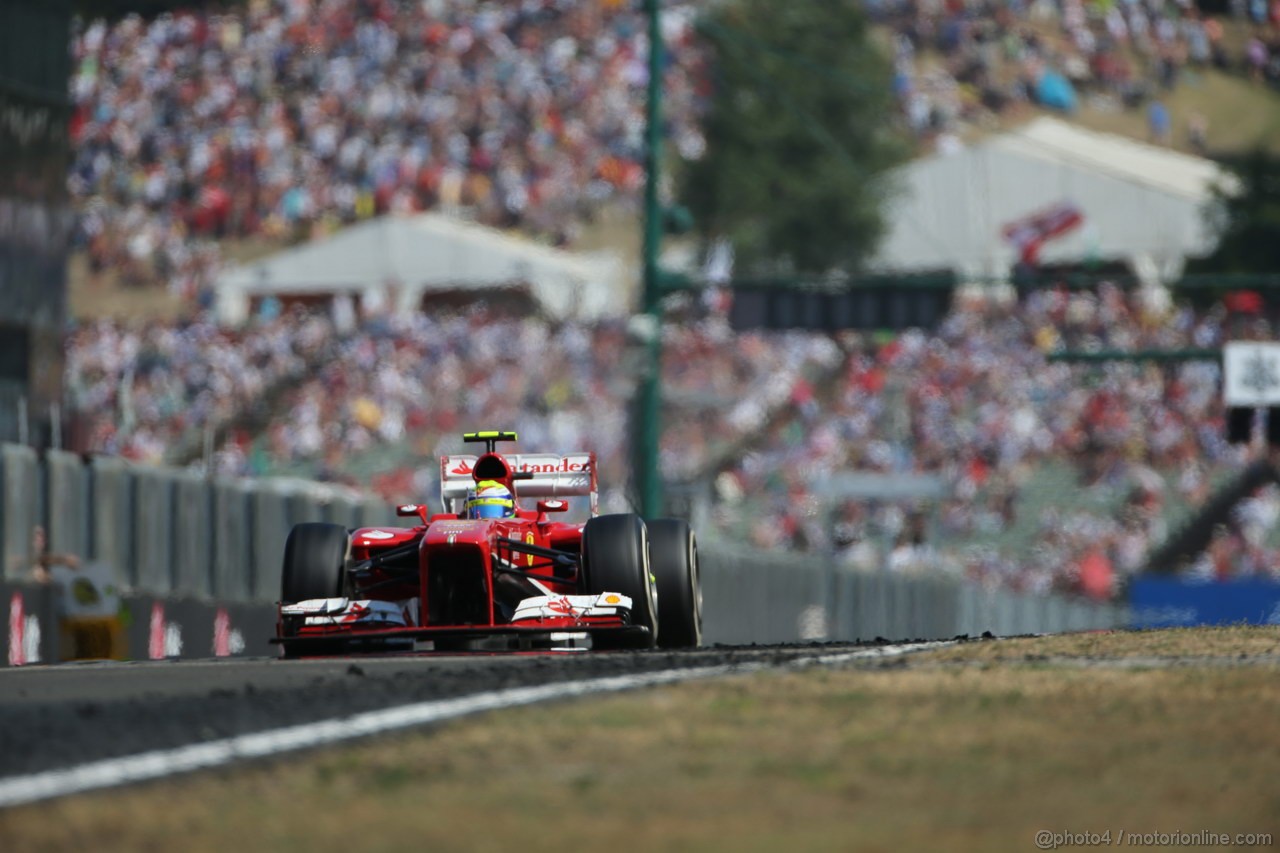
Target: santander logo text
(566,465)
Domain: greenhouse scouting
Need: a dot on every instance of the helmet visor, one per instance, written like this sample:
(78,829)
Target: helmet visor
(492,508)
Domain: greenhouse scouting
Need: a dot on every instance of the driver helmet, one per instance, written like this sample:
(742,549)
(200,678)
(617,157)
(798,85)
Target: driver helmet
(490,499)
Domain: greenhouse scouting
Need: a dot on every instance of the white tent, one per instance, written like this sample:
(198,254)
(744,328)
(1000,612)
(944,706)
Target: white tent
(1141,204)
(413,255)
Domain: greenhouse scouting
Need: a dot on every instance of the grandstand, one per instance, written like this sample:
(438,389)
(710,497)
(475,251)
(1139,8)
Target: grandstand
(363,144)
(1040,463)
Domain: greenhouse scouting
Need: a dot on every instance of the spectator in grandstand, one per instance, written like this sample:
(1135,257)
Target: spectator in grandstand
(963,63)
(143,392)
(284,120)
(1158,123)
(975,404)
(978,404)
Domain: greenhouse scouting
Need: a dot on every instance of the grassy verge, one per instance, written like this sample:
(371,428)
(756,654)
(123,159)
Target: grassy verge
(1241,115)
(921,756)
(1184,643)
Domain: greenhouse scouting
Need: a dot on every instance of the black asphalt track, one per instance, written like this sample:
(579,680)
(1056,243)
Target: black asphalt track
(60,716)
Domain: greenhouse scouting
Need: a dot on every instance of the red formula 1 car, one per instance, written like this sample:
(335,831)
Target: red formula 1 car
(489,573)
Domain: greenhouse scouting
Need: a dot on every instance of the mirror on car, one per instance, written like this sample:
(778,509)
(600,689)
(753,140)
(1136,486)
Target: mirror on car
(409,509)
(552,506)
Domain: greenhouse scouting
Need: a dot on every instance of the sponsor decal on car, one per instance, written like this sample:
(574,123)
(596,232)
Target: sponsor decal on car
(342,611)
(377,534)
(562,605)
(315,605)
(567,464)
(453,528)
(573,606)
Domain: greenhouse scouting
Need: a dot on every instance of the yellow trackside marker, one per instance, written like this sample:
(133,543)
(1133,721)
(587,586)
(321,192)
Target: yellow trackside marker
(528,540)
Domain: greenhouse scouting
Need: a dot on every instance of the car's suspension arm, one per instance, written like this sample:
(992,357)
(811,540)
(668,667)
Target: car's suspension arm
(556,559)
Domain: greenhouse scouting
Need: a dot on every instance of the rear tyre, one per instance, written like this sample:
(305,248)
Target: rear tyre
(615,558)
(315,558)
(673,557)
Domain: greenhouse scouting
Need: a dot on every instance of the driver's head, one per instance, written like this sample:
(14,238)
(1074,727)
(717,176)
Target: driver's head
(491,499)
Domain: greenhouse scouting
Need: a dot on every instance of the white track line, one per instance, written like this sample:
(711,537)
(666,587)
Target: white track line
(108,773)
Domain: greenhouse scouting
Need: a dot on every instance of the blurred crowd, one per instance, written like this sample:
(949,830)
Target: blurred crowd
(295,391)
(1045,474)
(283,118)
(981,410)
(145,393)
(969,62)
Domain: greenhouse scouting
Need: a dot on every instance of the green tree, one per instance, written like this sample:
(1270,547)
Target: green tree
(1247,221)
(799,135)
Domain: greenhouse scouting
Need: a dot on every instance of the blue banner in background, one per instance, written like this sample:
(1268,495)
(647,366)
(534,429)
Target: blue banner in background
(1173,603)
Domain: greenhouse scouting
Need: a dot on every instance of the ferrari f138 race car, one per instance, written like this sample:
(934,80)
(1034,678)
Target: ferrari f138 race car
(490,573)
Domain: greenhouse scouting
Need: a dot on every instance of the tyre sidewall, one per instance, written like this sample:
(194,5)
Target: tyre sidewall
(615,556)
(673,550)
(315,557)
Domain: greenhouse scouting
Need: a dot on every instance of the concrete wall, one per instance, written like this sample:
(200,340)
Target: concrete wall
(161,531)
(175,535)
(750,596)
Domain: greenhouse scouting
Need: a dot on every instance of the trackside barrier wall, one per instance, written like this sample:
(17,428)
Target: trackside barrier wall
(304,507)
(169,627)
(374,512)
(269,505)
(153,529)
(19,508)
(178,535)
(234,567)
(344,512)
(752,598)
(28,624)
(763,597)
(111,515)
(193,535)
(66,493)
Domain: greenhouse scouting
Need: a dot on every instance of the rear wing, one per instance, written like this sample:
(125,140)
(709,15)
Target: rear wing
(553,476)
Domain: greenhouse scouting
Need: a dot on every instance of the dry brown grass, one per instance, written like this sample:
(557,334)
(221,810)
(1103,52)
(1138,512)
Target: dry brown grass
(90,298)
(107,296)
(1227,642)
(958,758)
(1241,115)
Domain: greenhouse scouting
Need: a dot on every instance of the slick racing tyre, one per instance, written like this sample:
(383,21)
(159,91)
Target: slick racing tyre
(673,558)
(315,558)
(615,558)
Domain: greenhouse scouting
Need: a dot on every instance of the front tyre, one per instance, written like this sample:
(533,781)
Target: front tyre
(315,559)
(615,558)
(673,556)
